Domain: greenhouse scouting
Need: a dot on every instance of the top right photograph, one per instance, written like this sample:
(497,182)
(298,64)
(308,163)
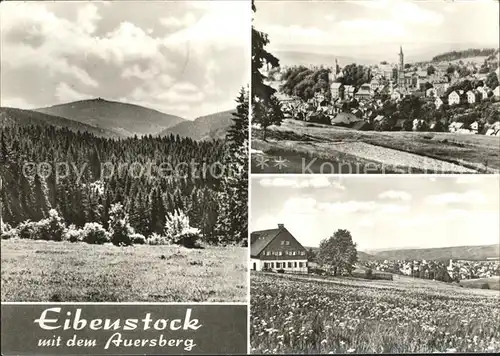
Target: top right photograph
(375,87)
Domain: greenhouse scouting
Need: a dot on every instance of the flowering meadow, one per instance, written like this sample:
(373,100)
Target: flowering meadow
(299,314)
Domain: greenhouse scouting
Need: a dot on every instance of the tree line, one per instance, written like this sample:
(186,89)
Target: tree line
(150,177)
(471,52)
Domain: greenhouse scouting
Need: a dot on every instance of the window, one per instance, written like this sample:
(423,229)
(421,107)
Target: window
(301,264)
(289,264)
(280,253)
(295,264)
(287,242)
(265,265)
(302,253)
(278,265)
(272,264)
(282,243)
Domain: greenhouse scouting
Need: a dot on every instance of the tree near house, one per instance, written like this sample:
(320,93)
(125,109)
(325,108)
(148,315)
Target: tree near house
(356,75)
(339,252)
(431,70)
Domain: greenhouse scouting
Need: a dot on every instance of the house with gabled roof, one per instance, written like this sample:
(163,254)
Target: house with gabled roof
(275,250)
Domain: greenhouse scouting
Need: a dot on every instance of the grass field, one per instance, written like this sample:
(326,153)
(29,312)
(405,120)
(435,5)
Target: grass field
(304,314)
(375,152)
(492,282)
(79,272)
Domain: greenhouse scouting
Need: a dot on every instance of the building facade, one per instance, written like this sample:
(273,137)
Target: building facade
(275,250)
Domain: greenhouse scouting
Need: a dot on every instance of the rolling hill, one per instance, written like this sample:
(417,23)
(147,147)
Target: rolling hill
(362,256)
(121,118)
(443,253)
(20,117)
(207,127)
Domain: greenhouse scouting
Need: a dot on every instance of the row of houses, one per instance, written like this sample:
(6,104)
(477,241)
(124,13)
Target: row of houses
(456,269)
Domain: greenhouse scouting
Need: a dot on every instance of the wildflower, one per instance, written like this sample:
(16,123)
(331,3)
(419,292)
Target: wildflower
(351,350)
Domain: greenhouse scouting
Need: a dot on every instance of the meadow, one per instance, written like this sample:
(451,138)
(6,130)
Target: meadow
(44,271)
(304,314)
(375,152)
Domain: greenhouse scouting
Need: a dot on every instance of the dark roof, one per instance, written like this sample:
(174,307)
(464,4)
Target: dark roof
(260,239)
(360,125)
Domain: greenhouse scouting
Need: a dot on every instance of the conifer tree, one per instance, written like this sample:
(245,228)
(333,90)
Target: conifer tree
(232,221)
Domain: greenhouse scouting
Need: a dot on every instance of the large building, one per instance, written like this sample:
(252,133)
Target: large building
(277,249)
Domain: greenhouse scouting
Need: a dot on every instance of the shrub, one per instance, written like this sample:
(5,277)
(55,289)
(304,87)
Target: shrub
(73,234)
(369,273)
(94,233)
(178,231)
(156,239)
(281,270)
(485,286)
(52,228)
(27,230)
(7,232)
(119,226)
(138,239)
(4,227)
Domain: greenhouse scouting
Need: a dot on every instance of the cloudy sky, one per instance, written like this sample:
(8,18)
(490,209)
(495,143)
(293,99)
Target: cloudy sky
(377,27)
(182,58)
(380,212)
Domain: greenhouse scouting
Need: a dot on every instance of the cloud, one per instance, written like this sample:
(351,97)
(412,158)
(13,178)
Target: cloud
(15,102)
(66,93)
(87,18)
(302,182)
(300,206)
(468,179)
(115,53)
(413,13)
(471,196)
(174,22)
(396,195)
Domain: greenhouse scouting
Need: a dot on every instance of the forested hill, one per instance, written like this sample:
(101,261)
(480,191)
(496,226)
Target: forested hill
(87,196)
(121,118)
(471,52)
(19,117)
(442,253)
(214,126)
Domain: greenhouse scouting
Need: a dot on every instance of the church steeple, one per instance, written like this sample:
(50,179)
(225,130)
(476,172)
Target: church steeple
(401,58)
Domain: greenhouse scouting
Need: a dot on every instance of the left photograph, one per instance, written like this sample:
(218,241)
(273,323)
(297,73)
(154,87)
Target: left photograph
(124,151)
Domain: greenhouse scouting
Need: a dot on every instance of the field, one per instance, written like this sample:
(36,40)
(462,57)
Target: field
(303,314)
(492,282)
(79,272)
(351,151)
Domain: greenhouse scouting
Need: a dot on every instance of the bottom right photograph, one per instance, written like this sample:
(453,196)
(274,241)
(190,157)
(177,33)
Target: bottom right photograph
(374,264)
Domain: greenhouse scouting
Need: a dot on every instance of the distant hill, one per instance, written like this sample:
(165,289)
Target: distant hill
(471,52)
(443,253)
(19,117)
(293,58)
(208,127)
(122,118)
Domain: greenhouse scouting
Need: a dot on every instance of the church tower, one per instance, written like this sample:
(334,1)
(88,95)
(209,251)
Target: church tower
(401,73)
